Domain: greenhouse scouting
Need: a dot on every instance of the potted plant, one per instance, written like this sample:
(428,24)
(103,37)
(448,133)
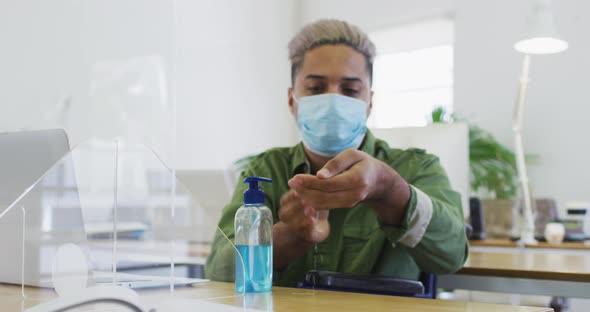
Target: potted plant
(493,175)
(492,165)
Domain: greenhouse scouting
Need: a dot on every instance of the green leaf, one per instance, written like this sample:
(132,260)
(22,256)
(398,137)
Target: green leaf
(437,114)
(492,165)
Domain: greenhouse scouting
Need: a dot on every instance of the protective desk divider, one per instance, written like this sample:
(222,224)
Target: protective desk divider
(103,211)
(13,225)
(133,95)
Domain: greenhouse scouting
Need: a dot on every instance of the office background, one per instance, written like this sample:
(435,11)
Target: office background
(227,72)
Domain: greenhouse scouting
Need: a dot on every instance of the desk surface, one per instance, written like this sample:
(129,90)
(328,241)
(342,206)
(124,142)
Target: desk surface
(547,266)
(283,299)
(497,242)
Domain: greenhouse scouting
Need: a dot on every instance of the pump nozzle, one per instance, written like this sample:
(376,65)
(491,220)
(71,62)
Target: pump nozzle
(254,195)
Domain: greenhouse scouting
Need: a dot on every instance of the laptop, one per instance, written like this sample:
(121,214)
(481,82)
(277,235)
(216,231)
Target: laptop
(41,156)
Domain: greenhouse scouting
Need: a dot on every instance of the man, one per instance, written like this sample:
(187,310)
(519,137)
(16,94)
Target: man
(343,200)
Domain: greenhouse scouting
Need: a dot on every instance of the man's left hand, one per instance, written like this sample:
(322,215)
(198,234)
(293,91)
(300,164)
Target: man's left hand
(351,177)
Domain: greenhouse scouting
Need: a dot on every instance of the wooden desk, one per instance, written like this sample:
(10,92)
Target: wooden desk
(283,299)
(493,265)
(537,272)
(529,265)
(496,242)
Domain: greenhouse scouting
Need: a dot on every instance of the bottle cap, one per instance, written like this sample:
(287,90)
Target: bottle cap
(254,195)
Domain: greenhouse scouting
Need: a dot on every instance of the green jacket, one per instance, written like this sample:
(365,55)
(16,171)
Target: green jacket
(430,239)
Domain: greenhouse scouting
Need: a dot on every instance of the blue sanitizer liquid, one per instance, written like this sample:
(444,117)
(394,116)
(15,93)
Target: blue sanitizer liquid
(257,268)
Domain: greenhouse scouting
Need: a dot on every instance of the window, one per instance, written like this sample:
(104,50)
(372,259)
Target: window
(413,73)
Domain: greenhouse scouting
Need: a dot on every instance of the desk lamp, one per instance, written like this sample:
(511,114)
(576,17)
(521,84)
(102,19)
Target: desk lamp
(541,38)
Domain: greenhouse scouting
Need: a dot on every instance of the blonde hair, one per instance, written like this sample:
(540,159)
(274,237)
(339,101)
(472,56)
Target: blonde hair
(329,31)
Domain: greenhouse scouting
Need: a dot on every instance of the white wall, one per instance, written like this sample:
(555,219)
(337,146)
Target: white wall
(225,63)
(48,52)
(486,77)
(375,14)
(233,74)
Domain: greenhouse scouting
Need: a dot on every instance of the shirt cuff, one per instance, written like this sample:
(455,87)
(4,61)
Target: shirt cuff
(419,220)
(414,224)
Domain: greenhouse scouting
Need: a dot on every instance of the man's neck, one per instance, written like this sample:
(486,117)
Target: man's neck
(316,162)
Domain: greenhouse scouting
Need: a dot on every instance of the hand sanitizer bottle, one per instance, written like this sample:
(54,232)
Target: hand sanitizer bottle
(253,229)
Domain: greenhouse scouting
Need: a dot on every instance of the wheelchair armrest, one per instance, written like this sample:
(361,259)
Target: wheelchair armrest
(362,283)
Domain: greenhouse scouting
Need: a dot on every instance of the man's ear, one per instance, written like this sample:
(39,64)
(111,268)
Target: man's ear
(291,101)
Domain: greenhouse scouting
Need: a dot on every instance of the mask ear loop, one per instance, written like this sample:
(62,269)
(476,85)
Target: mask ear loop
(294,97)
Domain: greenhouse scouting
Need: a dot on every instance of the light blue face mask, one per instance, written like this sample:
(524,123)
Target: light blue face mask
(330,123)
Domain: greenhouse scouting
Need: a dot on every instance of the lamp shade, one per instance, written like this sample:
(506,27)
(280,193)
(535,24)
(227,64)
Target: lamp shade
(541,36)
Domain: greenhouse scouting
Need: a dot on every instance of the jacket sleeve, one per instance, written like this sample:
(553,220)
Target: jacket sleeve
(433,227)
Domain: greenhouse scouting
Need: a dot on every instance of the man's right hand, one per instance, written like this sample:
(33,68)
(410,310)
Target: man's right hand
(302,220)
(298,230)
